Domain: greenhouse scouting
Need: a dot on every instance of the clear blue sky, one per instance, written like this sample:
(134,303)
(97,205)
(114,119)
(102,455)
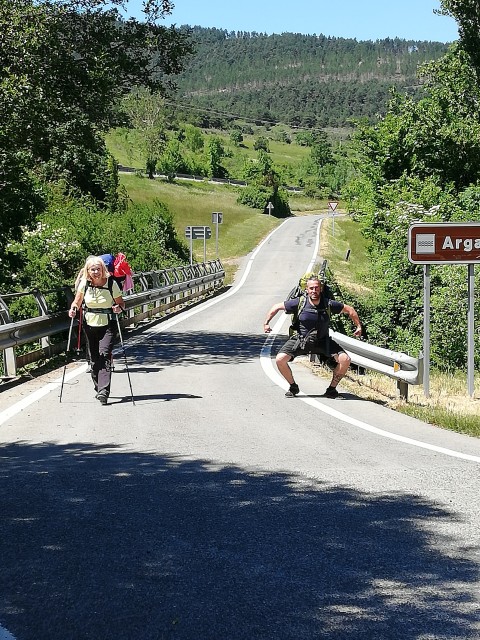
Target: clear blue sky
(360,19)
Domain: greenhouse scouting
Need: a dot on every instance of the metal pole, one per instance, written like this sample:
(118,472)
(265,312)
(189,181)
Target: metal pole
(66,356)
(216,238)
(79,336)
(471,328)
(204,246)
(426,330)
(191,249)
(125,357)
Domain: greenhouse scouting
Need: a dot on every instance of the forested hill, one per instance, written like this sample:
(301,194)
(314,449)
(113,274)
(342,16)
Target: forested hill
(301,80)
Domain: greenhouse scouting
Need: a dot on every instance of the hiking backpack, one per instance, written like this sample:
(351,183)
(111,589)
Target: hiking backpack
(299,292)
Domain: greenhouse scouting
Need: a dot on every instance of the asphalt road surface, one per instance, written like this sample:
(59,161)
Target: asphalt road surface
(214,508)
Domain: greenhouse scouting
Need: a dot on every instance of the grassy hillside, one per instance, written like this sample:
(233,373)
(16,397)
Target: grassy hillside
(125,146)
(192,203)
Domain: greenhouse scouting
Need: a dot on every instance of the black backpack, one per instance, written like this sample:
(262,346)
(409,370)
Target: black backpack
(299,292)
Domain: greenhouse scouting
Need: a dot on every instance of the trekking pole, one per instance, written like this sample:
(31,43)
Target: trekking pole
(66,355)
(79,336)
(125,358)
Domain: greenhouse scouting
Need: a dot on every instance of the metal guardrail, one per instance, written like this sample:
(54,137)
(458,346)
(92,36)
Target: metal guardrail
(403,368)
(156,293)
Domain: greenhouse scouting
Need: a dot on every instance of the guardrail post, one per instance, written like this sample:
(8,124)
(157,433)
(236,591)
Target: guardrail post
(144,284)
(402,390)
(8,356)
(42,307)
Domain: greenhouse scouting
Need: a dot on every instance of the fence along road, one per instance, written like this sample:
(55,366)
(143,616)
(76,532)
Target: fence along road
(216,508)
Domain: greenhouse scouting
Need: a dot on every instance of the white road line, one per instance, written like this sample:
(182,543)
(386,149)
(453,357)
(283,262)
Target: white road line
(265,361)
(77,371)
(38,394)
(276,378)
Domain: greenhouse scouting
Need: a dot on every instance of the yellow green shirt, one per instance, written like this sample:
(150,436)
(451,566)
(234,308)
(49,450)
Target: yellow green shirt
(98,298)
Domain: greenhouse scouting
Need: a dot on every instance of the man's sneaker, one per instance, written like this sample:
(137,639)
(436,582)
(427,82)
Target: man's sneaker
(292,391)
(331,392)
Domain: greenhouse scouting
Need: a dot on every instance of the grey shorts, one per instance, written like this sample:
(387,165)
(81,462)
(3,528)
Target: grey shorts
(293,349)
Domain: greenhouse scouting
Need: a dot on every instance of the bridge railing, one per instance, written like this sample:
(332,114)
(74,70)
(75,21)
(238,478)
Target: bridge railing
(156,294)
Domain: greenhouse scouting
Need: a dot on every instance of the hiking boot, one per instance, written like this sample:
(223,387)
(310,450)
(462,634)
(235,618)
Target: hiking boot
(331,392)
(102,397)
(292,391)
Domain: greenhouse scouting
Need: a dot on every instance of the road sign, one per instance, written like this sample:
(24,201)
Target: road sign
(217,217)
(444,243)
(270,208)
(332,206)
(196,233)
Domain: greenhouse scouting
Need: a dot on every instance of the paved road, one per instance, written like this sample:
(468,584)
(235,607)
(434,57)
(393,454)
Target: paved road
(216,509)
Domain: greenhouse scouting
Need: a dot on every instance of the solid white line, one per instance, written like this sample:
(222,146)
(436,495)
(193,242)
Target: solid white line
(265,361)
(267,366)
(51,386)
(38,394)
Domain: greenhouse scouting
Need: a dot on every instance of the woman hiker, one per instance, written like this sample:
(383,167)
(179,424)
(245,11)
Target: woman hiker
(102,298)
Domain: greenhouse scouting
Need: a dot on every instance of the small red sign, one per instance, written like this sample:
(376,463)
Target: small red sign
(444,243)
(333,205)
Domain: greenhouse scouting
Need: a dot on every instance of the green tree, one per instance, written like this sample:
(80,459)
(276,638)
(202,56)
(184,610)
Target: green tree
(437,136)
(194,138)
(264,186)
(172,161)
(236,137)
(261,143)
(467,15)
(65,64)
(147,115)
(214,153)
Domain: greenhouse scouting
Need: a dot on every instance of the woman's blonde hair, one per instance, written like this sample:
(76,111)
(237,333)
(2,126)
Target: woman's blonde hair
(90,261)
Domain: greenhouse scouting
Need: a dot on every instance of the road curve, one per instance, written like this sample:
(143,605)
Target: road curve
(215,508)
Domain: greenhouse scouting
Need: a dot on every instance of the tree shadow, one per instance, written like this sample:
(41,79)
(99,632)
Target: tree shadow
(99,542)
(185,349)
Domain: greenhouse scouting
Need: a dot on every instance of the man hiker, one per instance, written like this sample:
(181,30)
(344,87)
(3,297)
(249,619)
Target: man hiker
(311,323)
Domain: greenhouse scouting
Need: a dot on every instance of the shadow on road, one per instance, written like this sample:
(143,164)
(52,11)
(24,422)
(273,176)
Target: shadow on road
(101,543)
(183,349)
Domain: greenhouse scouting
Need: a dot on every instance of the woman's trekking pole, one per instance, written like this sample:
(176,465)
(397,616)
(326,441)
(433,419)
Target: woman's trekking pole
(79,336)
(125,358)
(66,356)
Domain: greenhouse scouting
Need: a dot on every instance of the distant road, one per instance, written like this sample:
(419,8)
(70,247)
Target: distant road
(185,176)
(215,508)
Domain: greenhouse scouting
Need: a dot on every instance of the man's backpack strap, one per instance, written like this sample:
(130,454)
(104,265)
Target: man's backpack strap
(295,325)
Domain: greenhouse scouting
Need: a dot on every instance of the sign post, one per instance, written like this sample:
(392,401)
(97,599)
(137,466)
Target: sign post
(217,218)
(332,206)
(446,243)
(270,208)
(196,233)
